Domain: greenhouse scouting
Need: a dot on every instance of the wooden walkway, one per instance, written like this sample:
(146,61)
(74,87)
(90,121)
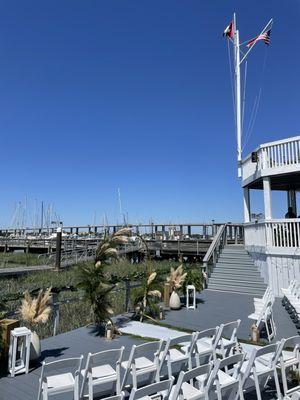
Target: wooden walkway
(10,271)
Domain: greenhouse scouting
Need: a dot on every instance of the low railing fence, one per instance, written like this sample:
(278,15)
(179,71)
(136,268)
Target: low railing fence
(56,301)
(279,154)
(281,233)
(255,234)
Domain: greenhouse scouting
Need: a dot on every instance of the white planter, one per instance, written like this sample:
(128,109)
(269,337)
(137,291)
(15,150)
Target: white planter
(35,347)
(175,301)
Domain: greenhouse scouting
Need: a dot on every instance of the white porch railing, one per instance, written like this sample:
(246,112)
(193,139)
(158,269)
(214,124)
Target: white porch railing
(280,155)
(255,234)
(283,233)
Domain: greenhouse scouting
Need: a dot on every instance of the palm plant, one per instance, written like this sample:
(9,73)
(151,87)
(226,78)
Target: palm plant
(93,280)
(146,297)
(36,310)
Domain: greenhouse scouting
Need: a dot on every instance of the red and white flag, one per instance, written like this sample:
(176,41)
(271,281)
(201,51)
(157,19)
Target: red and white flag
(229,31)
(263,36)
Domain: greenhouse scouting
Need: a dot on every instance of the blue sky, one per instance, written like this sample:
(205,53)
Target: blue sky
(96,95)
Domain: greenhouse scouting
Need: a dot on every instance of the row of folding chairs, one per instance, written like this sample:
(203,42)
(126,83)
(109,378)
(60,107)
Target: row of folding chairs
(231,376)
(152,361)
(263,314)
(291,301)
(209,364)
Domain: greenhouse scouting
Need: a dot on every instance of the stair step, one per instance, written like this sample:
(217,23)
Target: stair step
(235,273)
(237,282)
(231,250)
(245,290)
(245,267)
(234,256)
(234,262)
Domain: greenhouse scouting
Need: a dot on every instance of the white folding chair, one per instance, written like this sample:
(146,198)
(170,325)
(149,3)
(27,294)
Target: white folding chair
(155,390)
(259,304)
(229,381)
(207,343)
(52,383)
(288,291)
(181,355)
(289,360)
(101,369)
(228,342)
(194,384)
(265,318)
(261,366)
(140,363)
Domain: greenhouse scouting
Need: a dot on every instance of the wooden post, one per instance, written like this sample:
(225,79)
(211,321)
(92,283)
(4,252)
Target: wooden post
(56,313)
(58,249)
(167,290)
(127,294)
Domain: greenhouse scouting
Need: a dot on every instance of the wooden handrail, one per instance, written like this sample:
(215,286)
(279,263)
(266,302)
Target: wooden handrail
(214,244)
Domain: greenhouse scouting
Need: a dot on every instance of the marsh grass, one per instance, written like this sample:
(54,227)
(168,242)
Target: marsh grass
(19,259)
(75,314)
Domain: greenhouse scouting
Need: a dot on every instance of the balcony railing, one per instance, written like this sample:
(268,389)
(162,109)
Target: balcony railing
(281,233)
(273,157)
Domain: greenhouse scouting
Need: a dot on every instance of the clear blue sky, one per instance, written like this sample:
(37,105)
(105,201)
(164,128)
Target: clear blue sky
(96,95)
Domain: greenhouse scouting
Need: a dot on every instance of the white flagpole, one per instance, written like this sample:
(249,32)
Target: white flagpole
(238,96)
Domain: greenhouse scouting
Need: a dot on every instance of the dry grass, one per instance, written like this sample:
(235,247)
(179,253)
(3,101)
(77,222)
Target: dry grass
(35,310)
(176,277)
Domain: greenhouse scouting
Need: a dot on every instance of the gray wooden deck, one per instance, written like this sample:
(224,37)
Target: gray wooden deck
(71,344)
(213,308)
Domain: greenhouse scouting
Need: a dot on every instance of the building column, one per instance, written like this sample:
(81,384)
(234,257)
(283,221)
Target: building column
(267,197)
(247,207)
(291,200)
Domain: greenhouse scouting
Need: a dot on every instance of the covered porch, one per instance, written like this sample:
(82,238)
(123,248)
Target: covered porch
(274,243)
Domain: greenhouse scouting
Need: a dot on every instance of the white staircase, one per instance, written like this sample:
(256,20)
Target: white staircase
(236,272)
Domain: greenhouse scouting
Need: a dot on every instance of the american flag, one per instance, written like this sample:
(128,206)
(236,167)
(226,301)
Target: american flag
(263,36)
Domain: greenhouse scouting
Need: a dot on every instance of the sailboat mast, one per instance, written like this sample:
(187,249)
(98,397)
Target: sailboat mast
(42,215)
(237,76)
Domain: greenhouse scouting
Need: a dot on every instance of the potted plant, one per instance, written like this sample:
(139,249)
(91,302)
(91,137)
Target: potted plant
(35,311)
(175,280)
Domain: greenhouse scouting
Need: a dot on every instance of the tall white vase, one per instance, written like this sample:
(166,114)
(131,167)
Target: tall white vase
(35,347)
(175,301)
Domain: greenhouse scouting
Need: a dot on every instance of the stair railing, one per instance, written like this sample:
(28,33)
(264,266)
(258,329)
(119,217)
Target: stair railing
(212,254)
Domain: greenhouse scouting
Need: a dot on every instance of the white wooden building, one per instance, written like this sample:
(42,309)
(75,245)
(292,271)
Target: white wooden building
(274,244)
